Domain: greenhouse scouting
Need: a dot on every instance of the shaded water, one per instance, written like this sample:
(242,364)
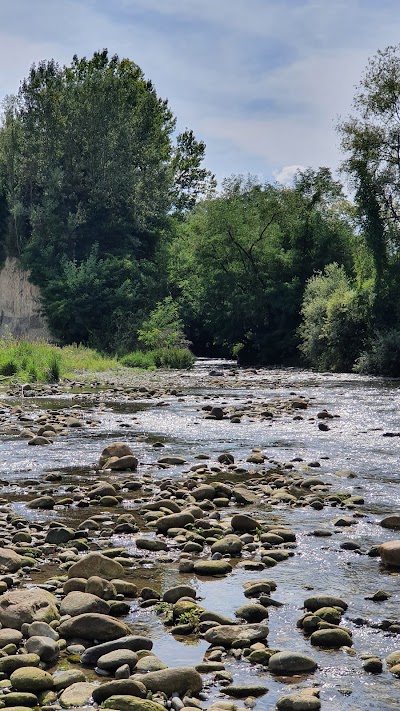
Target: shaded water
(367,408)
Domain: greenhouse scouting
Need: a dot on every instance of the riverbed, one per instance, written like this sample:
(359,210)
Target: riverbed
(358,454)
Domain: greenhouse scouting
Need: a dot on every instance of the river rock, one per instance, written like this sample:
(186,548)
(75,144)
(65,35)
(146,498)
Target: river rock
(77,603)
(93,626)
(47,649)
(392,522)
(27,605)
(150,663)
(179,679)
(101,588)
(61,534)
(393,659)
(176,520)
(390,553)
(226,635)
(174,594)
(303,701)
(151,544)
(78,694)
(230,544)
(21,700)
(243,523)
(242,691)
(332,638)
(122,463)
(124,587)
(41,629)
(113,660)
(252,612)
(31,679)
(63,679)
(12,662)
(315,602)
(131,703)
(172,461)
(212,567)
(96,564)
(42,502)
(289,663)
(116,449)
(10,636)
(10,561)
(133,642)
(119,687)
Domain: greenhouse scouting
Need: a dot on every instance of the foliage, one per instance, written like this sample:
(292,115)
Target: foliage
(89,175)
(169,357)
(382,356)
(47,363)
(239,263)
(99,301)
(139,359)
(164,327)
(336,319)
(192,182)
(371,140)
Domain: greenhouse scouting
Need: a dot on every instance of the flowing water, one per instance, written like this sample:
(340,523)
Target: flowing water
(367,409)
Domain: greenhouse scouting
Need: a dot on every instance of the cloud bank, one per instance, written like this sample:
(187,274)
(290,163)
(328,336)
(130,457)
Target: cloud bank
(261,81)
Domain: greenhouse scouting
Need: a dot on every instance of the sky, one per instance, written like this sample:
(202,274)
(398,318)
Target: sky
(262,82)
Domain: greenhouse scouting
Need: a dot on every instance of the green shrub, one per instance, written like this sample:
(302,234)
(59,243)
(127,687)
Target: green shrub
(383,356)
(44,362)
(54,368)
(8,368)
(139,359)
(174,358)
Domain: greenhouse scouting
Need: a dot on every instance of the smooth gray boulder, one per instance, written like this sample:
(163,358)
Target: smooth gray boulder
(27,605)
(93,626)
(226,635)
(288,663)
(96,564)
(133,642)
(179,679)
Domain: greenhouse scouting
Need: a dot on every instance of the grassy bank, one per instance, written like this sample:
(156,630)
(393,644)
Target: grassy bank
(170,357)
(47,363)
(43,362)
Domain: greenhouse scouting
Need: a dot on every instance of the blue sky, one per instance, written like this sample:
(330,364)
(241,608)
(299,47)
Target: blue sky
(262,82)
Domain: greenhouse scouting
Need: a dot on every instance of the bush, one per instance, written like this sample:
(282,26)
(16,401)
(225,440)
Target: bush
(383,356)
(174,358)
(44,362)
(8,368)
(336,320)
(139,359)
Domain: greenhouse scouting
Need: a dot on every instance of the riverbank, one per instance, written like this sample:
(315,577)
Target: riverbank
(269,499)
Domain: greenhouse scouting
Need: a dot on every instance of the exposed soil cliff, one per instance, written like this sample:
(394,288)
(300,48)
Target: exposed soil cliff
(20,304)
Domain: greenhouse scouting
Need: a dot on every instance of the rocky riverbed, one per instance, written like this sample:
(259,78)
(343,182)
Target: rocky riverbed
(221,538)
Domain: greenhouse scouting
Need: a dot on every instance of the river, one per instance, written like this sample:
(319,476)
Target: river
(355,455)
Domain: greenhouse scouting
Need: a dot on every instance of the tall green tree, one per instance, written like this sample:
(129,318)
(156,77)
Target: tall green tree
(371,141)
(89,174)
(241,261)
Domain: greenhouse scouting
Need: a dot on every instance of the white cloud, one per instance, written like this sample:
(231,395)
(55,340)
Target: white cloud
(261,81)
(286,174)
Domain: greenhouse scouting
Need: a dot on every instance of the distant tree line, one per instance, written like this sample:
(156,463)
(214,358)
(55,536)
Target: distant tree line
(131,244)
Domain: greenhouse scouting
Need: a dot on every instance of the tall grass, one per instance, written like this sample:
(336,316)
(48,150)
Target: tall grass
(47,363)
(170,357)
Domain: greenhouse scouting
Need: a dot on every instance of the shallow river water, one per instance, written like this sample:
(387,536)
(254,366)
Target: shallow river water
(367,409)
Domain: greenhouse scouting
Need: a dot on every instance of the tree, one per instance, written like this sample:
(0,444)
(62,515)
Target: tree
(241,261)
(371,139)
(88,166)
(192,182)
